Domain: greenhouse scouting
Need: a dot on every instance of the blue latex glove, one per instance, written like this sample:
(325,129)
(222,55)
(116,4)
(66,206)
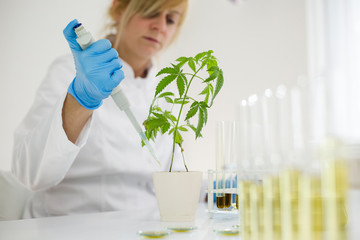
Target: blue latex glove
(98,70)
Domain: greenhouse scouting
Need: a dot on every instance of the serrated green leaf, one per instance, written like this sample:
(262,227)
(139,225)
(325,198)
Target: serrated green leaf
(204,62)
(178,138)
(182,59)
(167,70)
(212,76)
(191,113)
(203,105)
(207,96)
(200,125)
(171,131)
(206,58)
(165,127)
(218,86)
(157,108)
(182,75)
(192,127)
(163,83)
(191,64)
(205,114)
(149,134)
(181,101)
(154,134)
(166,94)
(180,85)
(180,64)
(154,123)
(211,63)
(182,128)
(205,90)
(159,115)
(194,104)
(176,68)
(199,56)
(213,69)
(168,115)
(211,88)
(169,100)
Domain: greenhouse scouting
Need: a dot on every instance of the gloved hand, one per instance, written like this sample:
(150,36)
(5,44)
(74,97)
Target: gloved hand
(98,70)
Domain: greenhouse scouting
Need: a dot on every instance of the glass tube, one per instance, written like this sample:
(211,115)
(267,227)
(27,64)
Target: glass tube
(335,189)
(289,175)
(220,161)
(227,154)
(244,165)
(256,134)
(271,191)
(311,205)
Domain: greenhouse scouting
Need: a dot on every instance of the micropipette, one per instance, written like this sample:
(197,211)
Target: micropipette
(85,39)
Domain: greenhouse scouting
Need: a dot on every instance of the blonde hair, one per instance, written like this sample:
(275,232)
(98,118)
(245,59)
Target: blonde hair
(126,9)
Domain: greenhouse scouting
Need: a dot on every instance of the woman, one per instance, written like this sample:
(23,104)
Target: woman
(75,149)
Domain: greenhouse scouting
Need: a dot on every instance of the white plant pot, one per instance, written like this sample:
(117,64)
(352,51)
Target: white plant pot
(177,195)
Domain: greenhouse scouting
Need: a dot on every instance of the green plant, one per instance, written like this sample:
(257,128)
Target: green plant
(162,120)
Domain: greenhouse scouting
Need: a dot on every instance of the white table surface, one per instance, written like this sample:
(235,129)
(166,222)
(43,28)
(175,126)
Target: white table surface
(113,225)
(125,225)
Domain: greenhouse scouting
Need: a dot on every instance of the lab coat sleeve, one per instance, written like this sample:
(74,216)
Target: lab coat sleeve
(42,153)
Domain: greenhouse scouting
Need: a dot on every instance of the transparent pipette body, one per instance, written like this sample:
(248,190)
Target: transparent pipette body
(85,39)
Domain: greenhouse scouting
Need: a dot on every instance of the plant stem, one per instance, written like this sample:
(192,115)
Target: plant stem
(182,153)
(194,76)
(178,119)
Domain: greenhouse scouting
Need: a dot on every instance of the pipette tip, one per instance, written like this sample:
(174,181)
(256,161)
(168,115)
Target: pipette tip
(151,150)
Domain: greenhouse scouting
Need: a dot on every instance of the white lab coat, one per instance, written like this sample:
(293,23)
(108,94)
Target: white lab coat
(107,169)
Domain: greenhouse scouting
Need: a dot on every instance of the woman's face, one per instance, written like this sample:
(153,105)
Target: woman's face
(143,37)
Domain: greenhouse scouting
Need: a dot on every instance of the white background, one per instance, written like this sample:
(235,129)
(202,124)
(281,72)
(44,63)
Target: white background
(260,44)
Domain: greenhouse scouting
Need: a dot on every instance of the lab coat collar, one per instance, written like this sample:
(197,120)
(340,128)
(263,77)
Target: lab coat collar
(129,71)
(130,78)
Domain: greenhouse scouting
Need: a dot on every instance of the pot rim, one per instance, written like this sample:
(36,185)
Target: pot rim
(167,172)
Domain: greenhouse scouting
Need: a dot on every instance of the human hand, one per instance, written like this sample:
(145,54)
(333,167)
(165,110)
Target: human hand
(98,70)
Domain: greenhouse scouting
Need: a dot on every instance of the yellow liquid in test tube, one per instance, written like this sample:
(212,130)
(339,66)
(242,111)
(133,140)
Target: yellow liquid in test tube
(289,194)
(311,204)
(335,184)
(272,211)
(257,211)
(244,210)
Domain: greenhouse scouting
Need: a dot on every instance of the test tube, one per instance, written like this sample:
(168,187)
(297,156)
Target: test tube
(271,131)
(237,149)
(220,162)
(256,133)
(335,188)
(243,158)
(310,183)
(311,205)
(227,152)
(353,214)
(272,211)
(289,173)
(244,164)
(229,166)
(256,120)
(244,206)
